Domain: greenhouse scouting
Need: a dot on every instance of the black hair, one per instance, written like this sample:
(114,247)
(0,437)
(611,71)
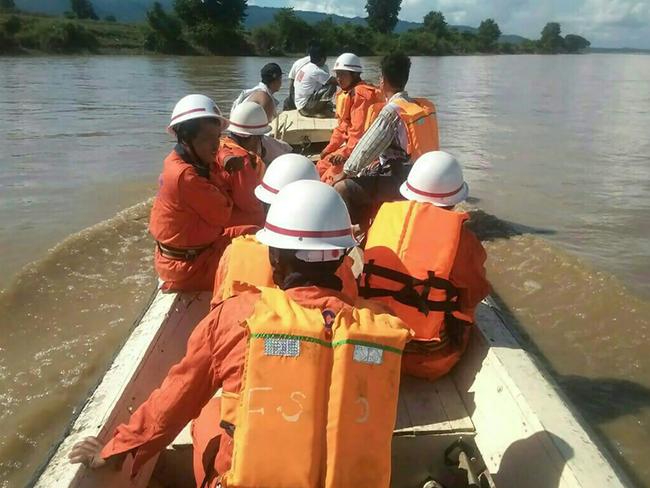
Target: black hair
(317,54)
(187,131)
(395,69)
(303,273)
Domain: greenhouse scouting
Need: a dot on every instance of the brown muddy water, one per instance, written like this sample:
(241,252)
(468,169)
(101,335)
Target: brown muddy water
(556,151)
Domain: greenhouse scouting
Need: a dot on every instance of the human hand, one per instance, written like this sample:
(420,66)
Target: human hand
(234,164)
(338,159)
(88,453)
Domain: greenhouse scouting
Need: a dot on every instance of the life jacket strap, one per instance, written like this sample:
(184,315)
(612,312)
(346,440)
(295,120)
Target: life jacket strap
(408,295)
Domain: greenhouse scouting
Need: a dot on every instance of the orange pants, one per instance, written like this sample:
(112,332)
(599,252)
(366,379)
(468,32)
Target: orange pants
(437,364)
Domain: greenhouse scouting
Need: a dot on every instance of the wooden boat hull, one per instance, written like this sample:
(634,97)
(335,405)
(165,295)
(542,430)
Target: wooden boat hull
(497,400)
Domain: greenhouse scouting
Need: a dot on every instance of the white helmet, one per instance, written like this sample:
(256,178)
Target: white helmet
(308,216)
(249,119)
(283,170)
(348,62)
(436,177)
(195,107)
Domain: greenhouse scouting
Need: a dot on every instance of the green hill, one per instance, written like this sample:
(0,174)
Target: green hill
(135,10)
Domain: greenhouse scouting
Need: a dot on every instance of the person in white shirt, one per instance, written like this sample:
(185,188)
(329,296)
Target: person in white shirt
(264,95)
(315,88)
(289,102)
(264,92)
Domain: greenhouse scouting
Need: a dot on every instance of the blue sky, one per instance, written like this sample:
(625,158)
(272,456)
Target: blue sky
(606,23)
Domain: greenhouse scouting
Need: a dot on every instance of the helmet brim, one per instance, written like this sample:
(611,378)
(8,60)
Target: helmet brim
(280,241)
(223,122)
(454,199)
(257,131)
(264,195)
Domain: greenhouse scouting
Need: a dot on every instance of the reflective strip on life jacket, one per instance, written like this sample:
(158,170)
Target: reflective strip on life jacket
(409,255)
(317,390)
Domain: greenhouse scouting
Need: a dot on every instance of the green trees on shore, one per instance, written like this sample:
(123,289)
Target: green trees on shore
(216,27)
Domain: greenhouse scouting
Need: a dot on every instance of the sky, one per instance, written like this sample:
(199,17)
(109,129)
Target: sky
(606,23)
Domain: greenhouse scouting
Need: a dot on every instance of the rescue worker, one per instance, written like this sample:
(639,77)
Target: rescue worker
(192,207)
(314,88)
(404,129)
(240,164)
(423,262)
(308,366)
(245,261)
(290,101)
(264,95)
(353,102)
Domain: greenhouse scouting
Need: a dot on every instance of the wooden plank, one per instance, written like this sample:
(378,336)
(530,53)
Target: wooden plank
(429,408)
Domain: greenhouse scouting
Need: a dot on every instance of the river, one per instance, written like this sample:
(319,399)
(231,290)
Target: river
(556,151)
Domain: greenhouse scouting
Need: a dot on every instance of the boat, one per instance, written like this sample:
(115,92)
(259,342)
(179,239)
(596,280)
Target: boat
(497,420)
(305,134)
(497,413)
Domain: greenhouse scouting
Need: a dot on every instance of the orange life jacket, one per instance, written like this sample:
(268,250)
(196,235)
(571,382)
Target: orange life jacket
(410,251)
(318,399)
(419,117)
(248,265)
(342,105)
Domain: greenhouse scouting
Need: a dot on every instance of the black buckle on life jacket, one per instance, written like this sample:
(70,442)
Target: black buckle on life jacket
(408,295)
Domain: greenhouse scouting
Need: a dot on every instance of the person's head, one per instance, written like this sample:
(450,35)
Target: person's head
(395,69)
(317,55)
(437,178)
(283,170)
(248,123)
(197,123)
(271,74)
(307,229)
(348,70)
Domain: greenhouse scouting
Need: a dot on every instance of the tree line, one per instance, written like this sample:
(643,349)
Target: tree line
(217,27)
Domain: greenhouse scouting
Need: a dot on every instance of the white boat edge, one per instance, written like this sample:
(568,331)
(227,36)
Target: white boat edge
(531,413)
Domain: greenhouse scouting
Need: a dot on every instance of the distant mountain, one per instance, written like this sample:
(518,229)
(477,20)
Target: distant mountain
(135,10)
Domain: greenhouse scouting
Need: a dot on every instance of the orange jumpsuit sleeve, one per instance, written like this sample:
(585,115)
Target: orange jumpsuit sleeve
(468,273)
(358,114)
(205,198)
(243,183)
(188,387)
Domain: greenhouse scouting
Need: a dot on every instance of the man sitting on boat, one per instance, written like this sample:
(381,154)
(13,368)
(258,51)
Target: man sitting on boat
(264,95)
(423,262)
(314,88)
(245,262)
(404,129)
(191,208)
(353,102)
(240,163)
(290,101)
(309,381)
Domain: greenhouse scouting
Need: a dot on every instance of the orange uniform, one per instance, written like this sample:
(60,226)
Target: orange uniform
(189,212)
(241,182)
(351,111)
(250,265)
(214,359)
